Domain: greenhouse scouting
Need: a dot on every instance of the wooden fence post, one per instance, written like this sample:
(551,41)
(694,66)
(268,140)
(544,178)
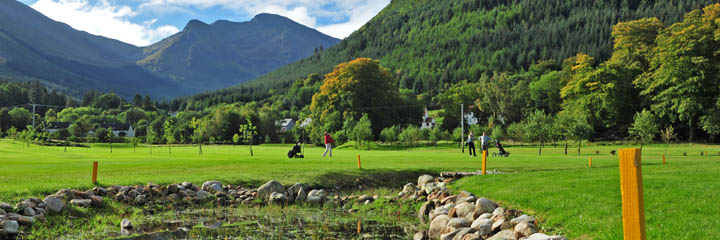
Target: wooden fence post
(589,162)
(359,166)
(663,158)
(94,172)
(633,206)
(484,162)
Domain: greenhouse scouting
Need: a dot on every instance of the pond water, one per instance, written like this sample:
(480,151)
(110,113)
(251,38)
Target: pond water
(271,223)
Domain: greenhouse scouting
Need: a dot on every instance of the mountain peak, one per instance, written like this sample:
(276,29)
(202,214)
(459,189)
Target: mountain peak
(269,18)
(195,24)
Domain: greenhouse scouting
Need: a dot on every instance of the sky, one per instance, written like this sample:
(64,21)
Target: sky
(144,22)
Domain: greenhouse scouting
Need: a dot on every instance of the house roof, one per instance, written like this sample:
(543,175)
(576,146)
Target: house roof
(117,126)
(284,122)
(429,120)
(58,125)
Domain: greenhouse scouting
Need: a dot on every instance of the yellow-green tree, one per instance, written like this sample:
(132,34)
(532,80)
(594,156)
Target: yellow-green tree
(682,82)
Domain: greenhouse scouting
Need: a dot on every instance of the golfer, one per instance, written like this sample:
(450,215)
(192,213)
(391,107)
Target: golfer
(328,144)
(471,144)
(484,141)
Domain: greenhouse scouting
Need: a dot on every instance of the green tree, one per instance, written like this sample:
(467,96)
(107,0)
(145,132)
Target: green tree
(169,127)
(644,128)
(134,142)
(390,134)
(109,138)
(248,132)
(12,132)
(667,135)
(537,127)
(410,135)
(435,135)
(572,125)
(150,137)
(20,117)
(363,130)
(236,139)
(683,82)
(497,133)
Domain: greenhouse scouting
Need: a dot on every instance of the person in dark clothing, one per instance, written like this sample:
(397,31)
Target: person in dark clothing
(471,144)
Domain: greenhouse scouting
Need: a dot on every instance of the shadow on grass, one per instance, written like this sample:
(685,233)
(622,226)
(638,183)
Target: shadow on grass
(373,178)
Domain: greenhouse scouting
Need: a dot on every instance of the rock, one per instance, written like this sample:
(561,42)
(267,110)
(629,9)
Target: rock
(485,216)
(465,196)
(460,235)
(266,189)
(294,189)
(278,198)
(11,227)
(503,235)
(437,225)
(99,191)
(464,209)
(442,210)
(499,212)
(523,218)
(212,186)
(126,224)
(28,212)
(25,221)
(54,204)
(96,201)
(365,198)
(542,236)
(485,205)
(202,195)
(501,224)
(450,234)
(5,206)
(409,188)
(422,180)
(483,226)
(450,199)
(459,222)
(173,188)
(187,185)
(317,197)
(79,194)
(420,236)
(473,236)
(301,196)
(140,200)
(424,211)
(524,229)
(81,202)
(23,205)
(3,213)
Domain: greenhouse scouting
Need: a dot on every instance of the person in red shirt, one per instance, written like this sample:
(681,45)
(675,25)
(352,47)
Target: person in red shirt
(328,144)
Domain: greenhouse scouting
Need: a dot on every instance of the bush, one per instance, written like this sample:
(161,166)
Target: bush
(390,134)
(410,135)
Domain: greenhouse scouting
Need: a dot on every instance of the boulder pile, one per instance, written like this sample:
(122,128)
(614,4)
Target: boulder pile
(464,216)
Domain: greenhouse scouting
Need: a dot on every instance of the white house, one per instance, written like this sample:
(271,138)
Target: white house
(470,118)
(285,124)
(119,130)
(427,122)
(306,122)
(56,126)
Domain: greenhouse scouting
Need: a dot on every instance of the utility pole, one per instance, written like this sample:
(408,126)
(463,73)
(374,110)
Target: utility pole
(33,106)
(462,126)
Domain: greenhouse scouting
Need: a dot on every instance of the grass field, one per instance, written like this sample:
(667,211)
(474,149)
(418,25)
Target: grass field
(681,198)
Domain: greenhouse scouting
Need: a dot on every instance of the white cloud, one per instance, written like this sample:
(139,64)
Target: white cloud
(104,19)
(350,14)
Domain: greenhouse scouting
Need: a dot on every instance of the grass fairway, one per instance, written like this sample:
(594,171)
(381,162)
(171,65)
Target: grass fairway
(681,198)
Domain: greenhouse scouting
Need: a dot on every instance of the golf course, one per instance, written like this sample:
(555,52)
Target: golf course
(568,196)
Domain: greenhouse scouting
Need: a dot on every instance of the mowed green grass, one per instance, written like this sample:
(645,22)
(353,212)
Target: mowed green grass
(39,170)
(682,198)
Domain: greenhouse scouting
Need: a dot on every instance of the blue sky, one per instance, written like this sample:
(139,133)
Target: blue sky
(143,22)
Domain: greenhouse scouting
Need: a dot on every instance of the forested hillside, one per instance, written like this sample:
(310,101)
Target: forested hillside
(429,44)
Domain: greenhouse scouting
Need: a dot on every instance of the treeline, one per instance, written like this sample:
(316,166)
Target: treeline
(430,45)
(659,78)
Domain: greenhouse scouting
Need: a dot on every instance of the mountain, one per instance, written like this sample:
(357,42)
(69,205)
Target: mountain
(210,56)
(34,47)
(201,57)
(429,44)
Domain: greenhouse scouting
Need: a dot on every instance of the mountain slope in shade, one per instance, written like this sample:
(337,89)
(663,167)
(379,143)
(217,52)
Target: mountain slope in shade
(33,46)
(208,56)
(201,57)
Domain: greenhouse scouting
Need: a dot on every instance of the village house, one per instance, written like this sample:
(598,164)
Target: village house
(427,121)
(56,126)
(285,125)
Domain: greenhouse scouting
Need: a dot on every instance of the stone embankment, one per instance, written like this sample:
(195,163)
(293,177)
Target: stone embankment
(461,216)
(464,216)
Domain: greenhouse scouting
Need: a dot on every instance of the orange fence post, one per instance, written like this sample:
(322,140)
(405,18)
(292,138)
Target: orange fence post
(94,173)
(359,166)
(589,162)
(484,162)
(633,206)
(663,158)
